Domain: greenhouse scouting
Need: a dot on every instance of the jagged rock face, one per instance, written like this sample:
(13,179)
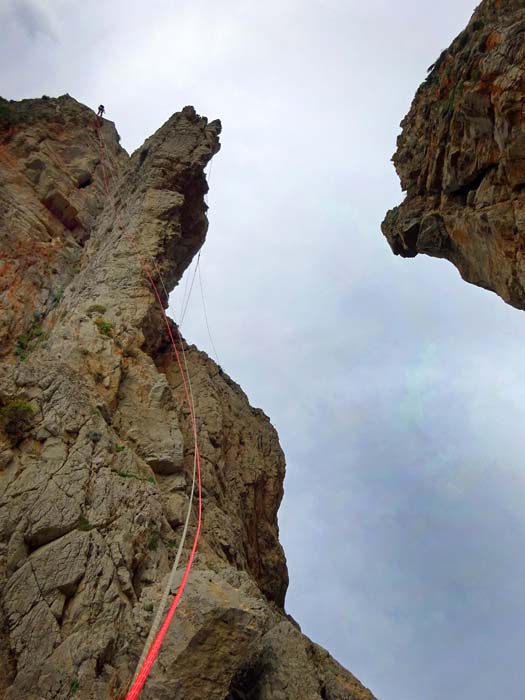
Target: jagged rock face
(96,450)
(51,194)
(461,156)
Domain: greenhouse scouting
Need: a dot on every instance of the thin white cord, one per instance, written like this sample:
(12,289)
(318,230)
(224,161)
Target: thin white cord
(206,319)
(185,308)
(186,284)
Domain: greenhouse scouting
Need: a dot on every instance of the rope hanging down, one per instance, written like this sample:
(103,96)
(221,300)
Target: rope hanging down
(153,648)
(206,318)
(186,300)
(155,625)
(187,293)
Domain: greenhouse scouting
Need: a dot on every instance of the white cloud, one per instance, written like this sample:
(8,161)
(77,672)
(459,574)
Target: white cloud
(38,18)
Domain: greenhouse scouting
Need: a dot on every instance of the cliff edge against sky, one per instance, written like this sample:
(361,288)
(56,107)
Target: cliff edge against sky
(96,449)
(461,156)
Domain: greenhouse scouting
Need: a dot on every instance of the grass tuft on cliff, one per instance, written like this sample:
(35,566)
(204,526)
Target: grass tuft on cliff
(16,418)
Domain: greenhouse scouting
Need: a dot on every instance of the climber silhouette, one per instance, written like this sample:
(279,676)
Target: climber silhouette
(101,110)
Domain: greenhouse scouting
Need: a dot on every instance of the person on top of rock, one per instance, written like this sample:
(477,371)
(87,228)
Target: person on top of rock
(101,110)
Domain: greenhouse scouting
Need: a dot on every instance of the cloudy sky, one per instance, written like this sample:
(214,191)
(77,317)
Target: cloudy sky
(396,388)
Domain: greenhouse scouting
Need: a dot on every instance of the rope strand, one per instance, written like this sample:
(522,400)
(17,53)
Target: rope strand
(156,635)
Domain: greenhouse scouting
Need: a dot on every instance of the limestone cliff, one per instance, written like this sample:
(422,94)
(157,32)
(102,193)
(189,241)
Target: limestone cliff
(461,156)
(95,442)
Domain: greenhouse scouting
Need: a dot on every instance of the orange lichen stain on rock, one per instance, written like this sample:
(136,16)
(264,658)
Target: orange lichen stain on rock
(166,361)
(29,254)
(5,268)
(494,39)
(459,235)
(55,129)
(17,279)
(495,89)
(7,157)
(15,297)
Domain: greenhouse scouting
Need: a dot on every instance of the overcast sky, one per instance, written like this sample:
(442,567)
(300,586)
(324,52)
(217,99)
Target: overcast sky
(396,388)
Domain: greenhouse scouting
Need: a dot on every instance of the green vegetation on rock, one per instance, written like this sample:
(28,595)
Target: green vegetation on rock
(30,340)
(84,524)
(15,417)
(96,309)
(7,114)
(104,326)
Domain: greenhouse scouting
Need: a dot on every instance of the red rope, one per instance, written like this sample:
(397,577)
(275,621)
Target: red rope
(154,649)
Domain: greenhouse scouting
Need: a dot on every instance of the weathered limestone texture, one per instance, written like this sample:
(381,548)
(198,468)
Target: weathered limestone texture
(461,156)
(96,450)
